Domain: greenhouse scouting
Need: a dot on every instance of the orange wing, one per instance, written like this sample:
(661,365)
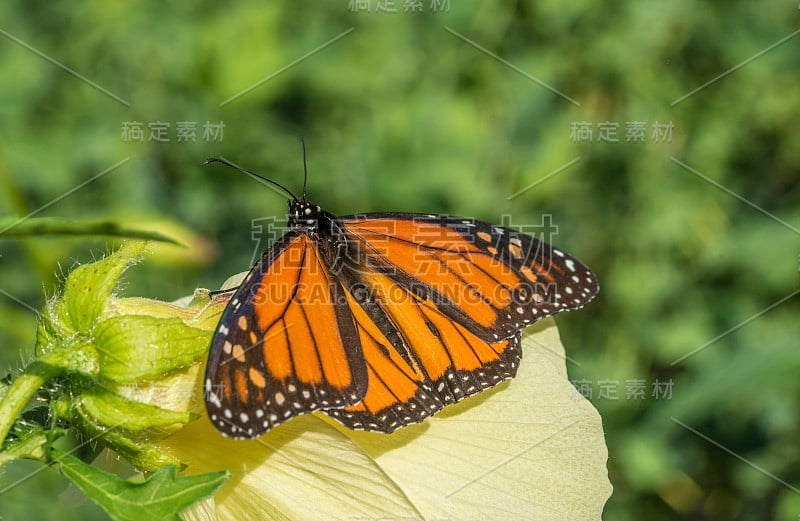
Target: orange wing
(492,280)
(418,359)
(439,304)
(382,320)
(287,343)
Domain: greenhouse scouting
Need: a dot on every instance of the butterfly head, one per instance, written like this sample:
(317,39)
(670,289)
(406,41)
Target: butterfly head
(303,213)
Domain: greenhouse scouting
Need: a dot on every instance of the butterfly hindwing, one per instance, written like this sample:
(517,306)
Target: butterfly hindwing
(418,359)
(286,344)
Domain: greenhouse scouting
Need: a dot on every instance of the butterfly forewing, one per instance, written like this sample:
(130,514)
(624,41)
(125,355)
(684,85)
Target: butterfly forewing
(286,344)
(491,279)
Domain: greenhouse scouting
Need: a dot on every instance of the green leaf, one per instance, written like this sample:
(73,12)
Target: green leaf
(159,498)
(89,286)
(34,227)
(136,347)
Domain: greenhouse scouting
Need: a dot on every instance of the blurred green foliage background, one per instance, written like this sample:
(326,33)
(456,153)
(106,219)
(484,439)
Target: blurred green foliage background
(410,111)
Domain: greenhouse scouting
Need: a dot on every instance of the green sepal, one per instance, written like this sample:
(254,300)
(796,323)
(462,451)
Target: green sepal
(111,409)
(141,455)
(199,310)
(31,445)
(89,287)
(139,347)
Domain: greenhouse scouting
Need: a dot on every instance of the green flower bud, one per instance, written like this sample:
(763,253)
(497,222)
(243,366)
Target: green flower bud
(126,370)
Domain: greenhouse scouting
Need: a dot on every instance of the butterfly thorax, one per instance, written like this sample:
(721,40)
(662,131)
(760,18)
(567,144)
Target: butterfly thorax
(309,216)
(303,213)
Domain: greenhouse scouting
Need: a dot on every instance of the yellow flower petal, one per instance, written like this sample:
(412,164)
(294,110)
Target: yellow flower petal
(531,448)
(205,510)
(302,470)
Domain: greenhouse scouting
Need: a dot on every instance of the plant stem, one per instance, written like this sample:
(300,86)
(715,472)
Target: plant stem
(21,391)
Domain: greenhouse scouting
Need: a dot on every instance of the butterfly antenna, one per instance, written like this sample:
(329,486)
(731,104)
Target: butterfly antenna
(305,167)
(252,174)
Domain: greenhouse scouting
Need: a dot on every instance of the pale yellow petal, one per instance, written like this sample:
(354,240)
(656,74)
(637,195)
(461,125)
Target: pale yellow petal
(302,470)
(205,510)
(532,448)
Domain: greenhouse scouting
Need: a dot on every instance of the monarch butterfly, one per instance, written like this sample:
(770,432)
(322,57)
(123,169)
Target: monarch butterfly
(380,320)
